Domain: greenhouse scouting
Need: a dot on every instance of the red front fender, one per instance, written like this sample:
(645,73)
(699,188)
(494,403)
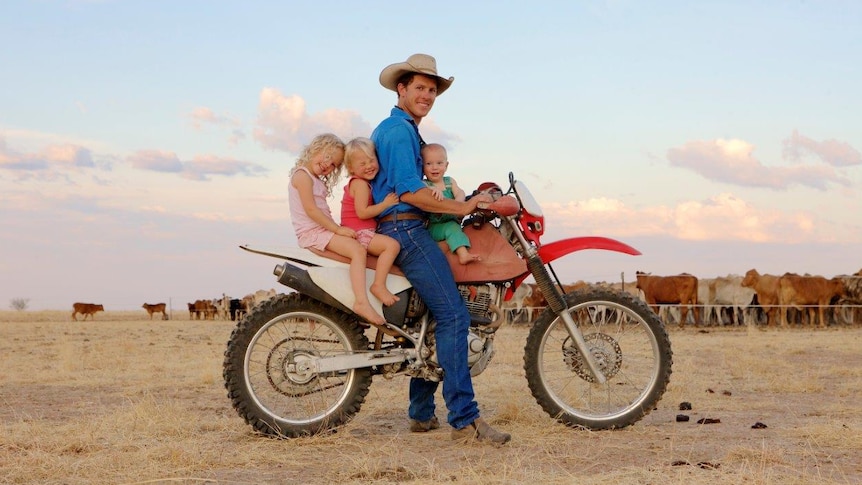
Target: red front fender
(551,251)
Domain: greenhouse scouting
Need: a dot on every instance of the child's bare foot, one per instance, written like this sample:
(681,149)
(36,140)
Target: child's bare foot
(365,311)
(465,257)
(383,294)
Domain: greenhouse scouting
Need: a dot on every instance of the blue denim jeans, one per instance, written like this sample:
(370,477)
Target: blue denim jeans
(424,264)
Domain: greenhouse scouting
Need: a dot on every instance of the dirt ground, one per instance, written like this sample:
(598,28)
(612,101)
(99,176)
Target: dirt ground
(126,400)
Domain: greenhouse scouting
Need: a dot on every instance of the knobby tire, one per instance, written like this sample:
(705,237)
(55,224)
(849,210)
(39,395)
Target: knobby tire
(627,339)
(264,351)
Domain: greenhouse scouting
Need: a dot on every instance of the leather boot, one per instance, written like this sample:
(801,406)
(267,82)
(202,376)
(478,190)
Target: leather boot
(479,430)
(424,426)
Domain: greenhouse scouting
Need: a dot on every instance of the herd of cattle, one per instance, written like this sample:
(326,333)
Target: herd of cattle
(225,308)
(736,300)
(217,308)
(729,300)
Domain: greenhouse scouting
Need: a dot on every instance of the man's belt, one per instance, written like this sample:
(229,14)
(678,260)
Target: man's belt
(403,216)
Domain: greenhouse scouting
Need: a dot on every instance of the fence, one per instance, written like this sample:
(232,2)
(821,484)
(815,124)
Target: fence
(721,315)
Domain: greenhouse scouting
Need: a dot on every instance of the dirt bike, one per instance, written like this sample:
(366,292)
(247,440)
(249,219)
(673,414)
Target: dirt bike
(301,363)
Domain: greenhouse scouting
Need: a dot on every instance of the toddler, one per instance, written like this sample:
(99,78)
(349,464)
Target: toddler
(445,227)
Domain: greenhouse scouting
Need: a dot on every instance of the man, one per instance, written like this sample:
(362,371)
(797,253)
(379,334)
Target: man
(398,146)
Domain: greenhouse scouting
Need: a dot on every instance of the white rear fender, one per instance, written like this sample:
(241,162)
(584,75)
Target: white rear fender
(332,276)
(336,281)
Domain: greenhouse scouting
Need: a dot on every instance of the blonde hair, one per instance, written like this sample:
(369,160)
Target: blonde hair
(358,145)
(325,143)
(433,146)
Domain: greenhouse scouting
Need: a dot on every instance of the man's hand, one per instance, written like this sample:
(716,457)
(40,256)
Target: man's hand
(480,201)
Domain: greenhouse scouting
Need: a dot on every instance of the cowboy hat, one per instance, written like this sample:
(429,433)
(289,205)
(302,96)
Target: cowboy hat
(419,63)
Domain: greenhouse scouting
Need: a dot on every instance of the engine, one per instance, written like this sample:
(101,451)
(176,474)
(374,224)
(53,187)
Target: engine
(478,301)
(480,345)
(480,339)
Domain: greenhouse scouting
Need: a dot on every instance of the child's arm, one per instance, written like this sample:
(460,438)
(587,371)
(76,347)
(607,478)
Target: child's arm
(437,193)
(304,185)
(360,190)
(457,192)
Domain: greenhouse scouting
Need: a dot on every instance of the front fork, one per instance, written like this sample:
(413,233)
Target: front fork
(556,301)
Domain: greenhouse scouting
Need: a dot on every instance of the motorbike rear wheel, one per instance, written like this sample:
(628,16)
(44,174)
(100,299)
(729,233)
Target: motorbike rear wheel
(264,374)
(630,345)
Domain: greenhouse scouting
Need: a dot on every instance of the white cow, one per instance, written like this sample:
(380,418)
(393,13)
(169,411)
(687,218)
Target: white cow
(706,300)
(731,302)
(515,306)
(252,299)
(261,295)
(222,307)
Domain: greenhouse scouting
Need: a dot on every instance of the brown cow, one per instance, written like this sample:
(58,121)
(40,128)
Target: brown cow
(86,309)
(535,302)
(202,310)
(680,289)
(806,291)
(156,308)
(766,287)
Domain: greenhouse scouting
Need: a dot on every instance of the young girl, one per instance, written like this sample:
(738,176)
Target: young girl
(311,182)
(358,211)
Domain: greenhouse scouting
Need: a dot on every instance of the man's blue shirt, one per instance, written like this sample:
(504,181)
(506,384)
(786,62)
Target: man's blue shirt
(397,142)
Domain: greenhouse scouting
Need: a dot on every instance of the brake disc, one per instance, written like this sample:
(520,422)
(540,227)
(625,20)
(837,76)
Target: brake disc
(604,349)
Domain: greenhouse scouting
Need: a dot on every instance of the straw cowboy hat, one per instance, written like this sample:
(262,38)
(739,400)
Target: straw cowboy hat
(421,63)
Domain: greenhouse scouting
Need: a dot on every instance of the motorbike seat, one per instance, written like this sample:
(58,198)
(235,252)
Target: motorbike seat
(499,261)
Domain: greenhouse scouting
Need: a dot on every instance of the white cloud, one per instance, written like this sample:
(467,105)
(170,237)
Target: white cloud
(432,133)
(156,160)
(284,124)
(834,152)
(732,161)
(204,165)
(70,155)
(236,136)
(199,168)
(202,115)
(54,157)
(724,217)
(33,140)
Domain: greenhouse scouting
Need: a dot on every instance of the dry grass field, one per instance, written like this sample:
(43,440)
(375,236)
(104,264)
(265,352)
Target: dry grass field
(126,400)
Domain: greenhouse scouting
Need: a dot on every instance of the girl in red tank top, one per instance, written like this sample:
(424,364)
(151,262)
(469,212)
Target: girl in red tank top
(358,211)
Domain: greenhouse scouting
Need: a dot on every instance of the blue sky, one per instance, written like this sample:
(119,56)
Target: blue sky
(142,141)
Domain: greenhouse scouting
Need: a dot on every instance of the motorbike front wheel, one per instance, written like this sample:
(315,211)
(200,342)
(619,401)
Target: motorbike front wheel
(630,345)
(265,376)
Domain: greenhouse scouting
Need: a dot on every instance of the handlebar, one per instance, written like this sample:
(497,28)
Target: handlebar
(505,206)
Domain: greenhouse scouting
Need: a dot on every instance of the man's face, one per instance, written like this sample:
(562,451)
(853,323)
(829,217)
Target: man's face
(417,98)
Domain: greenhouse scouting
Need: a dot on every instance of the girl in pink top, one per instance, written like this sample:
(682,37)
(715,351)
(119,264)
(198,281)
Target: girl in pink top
(311,182)
(358,211)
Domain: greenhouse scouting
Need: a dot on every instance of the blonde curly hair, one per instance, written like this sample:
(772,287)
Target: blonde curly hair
(328,144)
